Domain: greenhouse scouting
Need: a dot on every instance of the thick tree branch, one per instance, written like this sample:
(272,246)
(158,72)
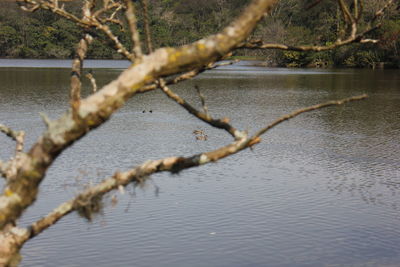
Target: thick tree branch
(21,192)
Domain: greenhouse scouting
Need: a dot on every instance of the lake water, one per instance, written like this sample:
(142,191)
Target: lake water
(320,190)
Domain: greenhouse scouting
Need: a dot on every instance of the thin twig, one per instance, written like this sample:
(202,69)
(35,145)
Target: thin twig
(202,99)
(140,174)
(307,109)
(92,81)
(45,119)
(3,169)
(9,132)
(17,136)
(217,123)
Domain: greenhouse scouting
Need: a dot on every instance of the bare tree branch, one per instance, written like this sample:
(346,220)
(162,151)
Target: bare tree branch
(93,111)
(308,109)
(258,44)
(77,64)
(202,99)
(381,11)
(45,119)
(3,169)
(53,7)
(87,22)
(92,81)
(353,35)
(141,173)
(146,26)
(132,21)
(9,132)
(9,169)
(218,123)
(17,136)
(186,76)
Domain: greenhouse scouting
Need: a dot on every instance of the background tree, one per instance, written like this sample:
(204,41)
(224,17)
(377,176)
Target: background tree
(116,23)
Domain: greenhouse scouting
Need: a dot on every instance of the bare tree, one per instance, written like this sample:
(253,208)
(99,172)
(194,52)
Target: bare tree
(157,69)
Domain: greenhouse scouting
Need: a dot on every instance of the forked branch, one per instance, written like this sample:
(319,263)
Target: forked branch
(93,111)
(204,116)
(351,35)
(141,173)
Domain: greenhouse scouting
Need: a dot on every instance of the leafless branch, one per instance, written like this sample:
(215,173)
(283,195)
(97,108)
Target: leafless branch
(53,8)
(308,109)
(113,21)
(9,169)
(202,99)
(45,119)
(93,111)
(118,45)
(132,21)
(146,26)
(77,64)
(107,7)
(140,174)
(17,136)
(381,11)
(3,169)
(92,21)
(187,75)
(353,34)
(218,123)
(258,44)
(92,81)
(9,132)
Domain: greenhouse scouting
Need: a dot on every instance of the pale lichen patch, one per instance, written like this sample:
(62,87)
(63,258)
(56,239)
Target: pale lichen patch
(204,159)
(231,31)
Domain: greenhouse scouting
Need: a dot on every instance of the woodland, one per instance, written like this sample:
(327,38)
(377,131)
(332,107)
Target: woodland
(43,34)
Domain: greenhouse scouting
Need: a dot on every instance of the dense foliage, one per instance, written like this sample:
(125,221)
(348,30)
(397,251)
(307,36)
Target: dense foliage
(177,22)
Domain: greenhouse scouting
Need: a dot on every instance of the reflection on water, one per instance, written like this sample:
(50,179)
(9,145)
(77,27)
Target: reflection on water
(320,190)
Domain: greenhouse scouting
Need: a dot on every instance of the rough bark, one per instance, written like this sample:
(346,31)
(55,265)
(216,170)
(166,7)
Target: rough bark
(97,108)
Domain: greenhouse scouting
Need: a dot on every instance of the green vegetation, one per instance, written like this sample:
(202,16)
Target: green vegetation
(177,22)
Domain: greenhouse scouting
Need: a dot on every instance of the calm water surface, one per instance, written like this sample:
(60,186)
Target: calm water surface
(320,190)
